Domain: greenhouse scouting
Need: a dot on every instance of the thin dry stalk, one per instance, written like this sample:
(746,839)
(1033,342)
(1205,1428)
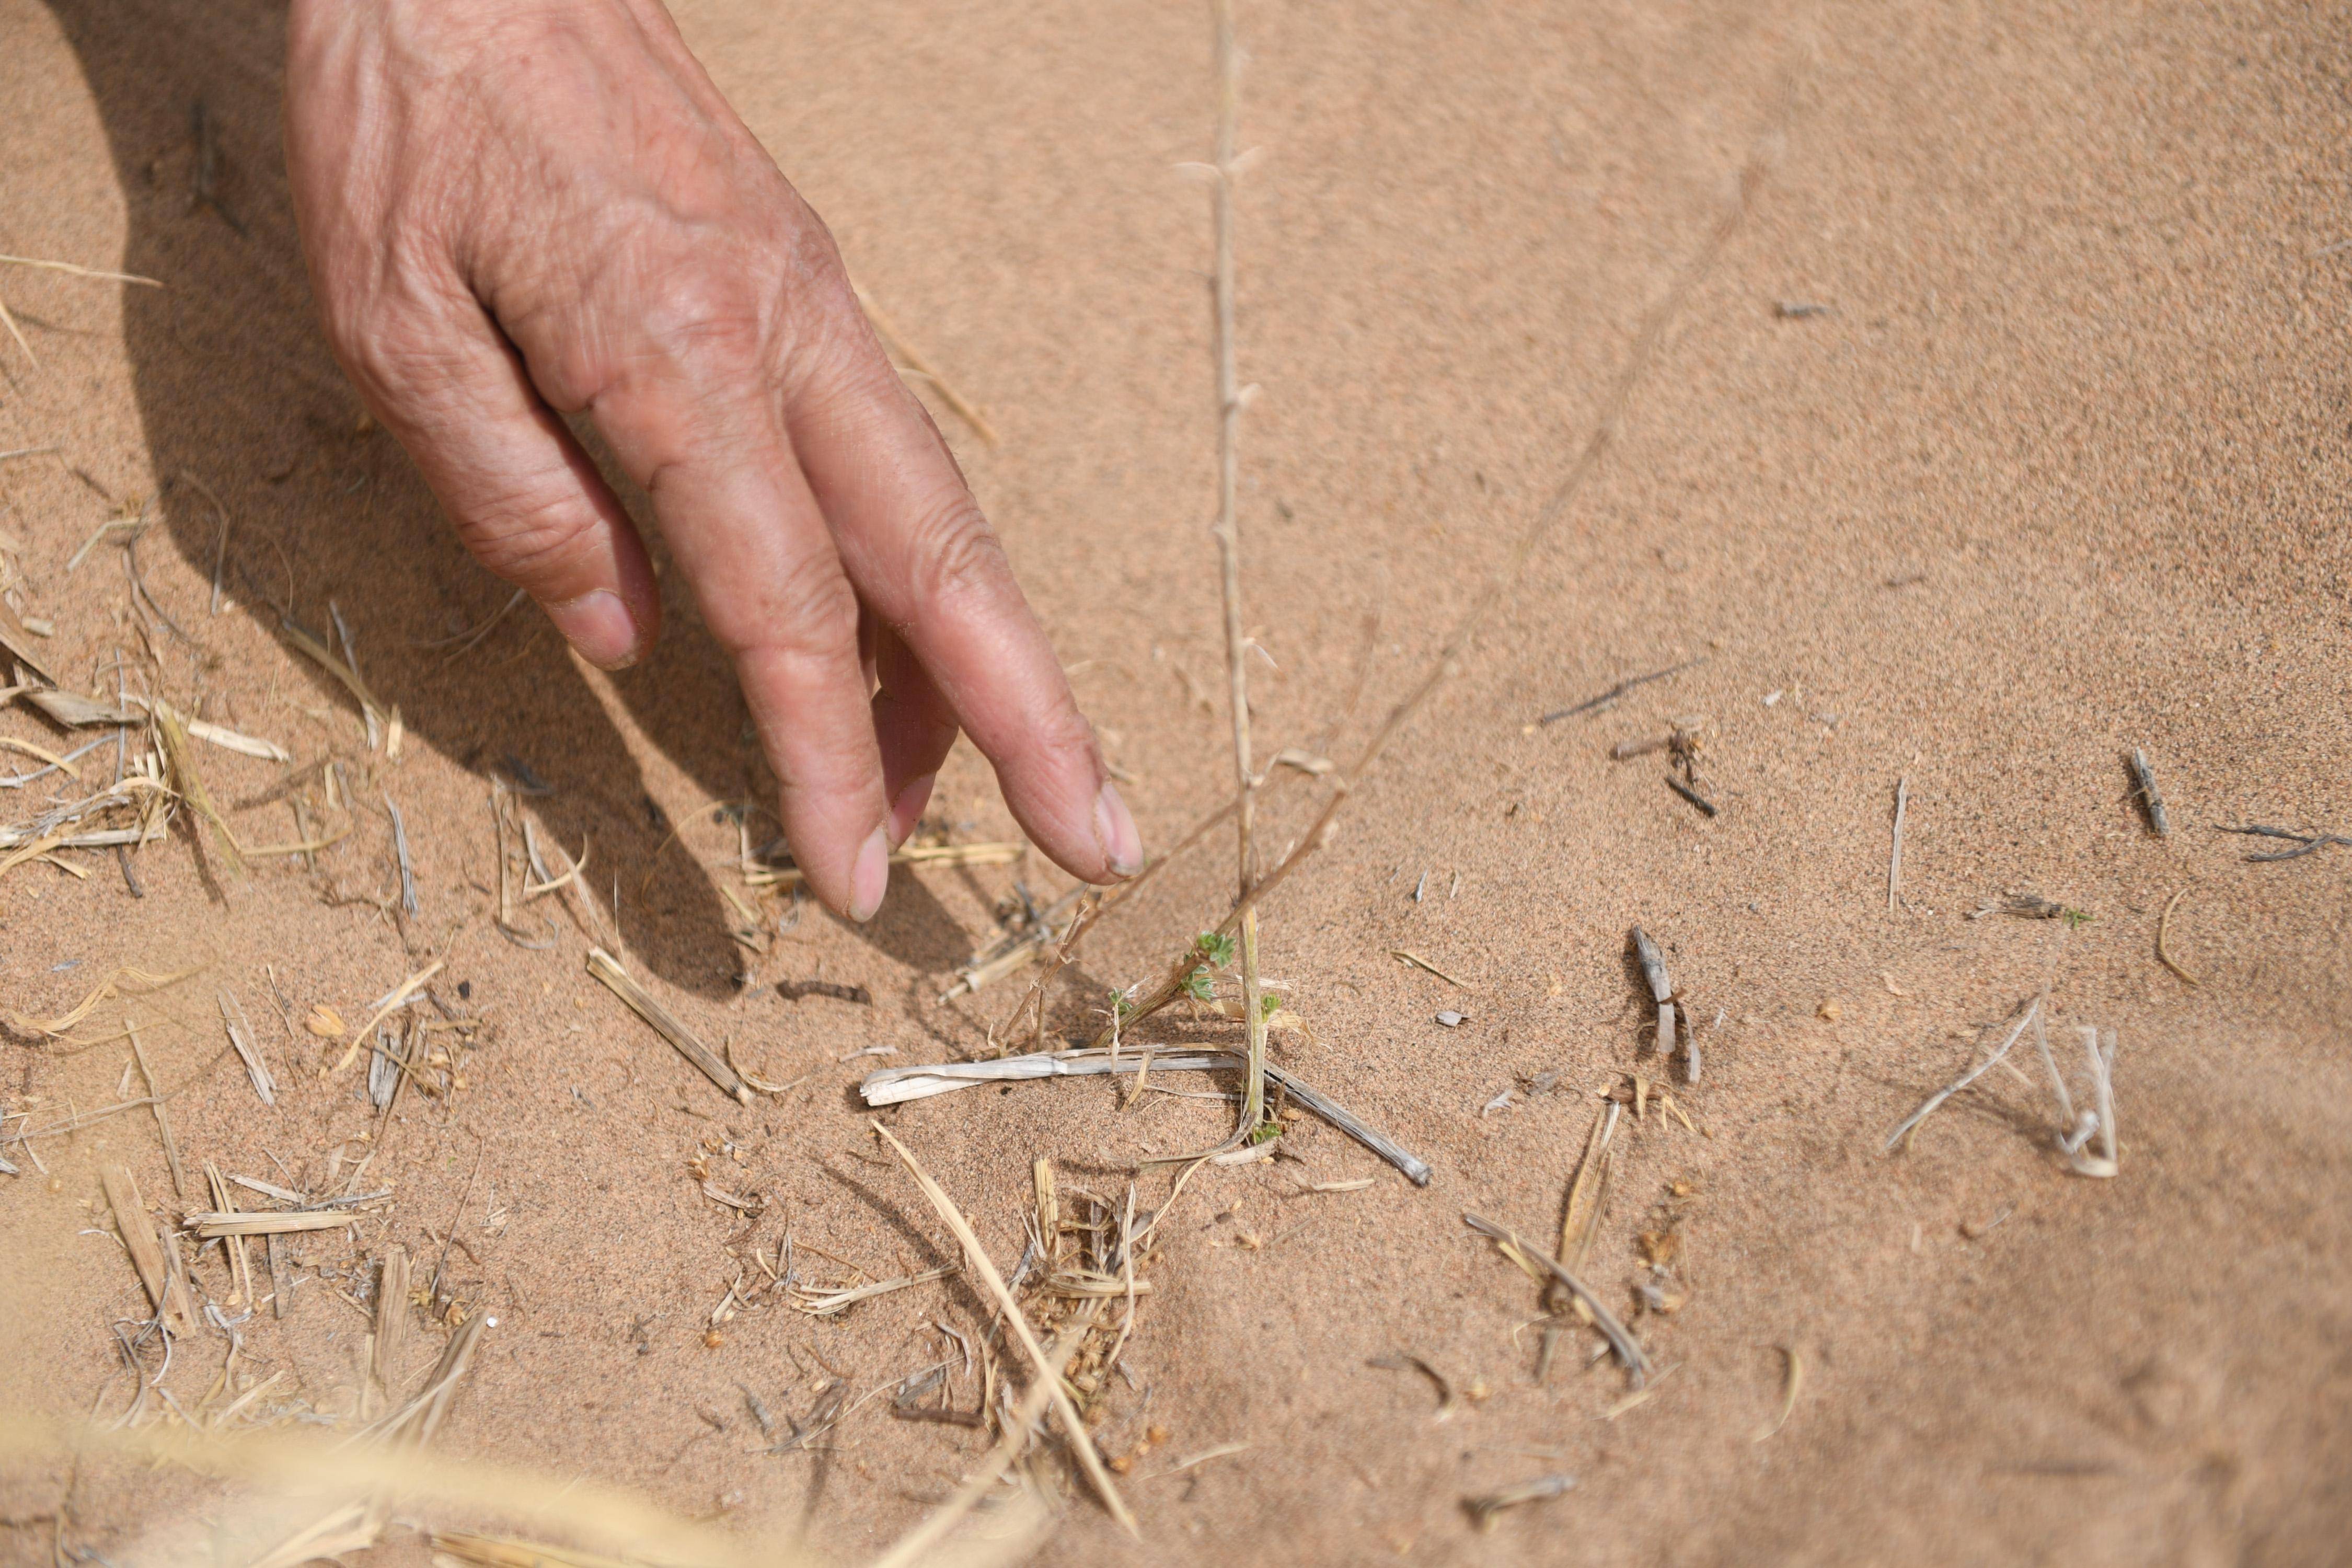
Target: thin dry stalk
(1579,1224)
(240,1035)
(1229,560)
(1483,1510)
(2163,934)
(137,1229)
(1629,1353)
(399,996)
(1074,1426)
(267,1223)
(189,785)
(820,1303)
(162,1117)
(617,980)
(1895,856)
(1511,571)
(240,1265)
(1935,1102)
(1792,1383)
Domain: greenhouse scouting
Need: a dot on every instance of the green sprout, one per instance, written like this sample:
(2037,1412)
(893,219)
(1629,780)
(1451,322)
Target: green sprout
(1265,1132)
(1216,947)
(2077,918)
(1199,986)
(1268,1004)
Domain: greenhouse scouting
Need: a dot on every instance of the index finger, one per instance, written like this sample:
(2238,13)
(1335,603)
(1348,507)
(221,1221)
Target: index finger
(924,558)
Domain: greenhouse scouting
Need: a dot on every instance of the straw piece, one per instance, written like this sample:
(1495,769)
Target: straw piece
(208,1226)
(391,1321)
(831,1303)
(607,969)
(189,785)
(221,735)
(1629,1353)
(399,996)
(1935,1100)
(71,270)
(18,640)
(73,710)
(137,1229)
(1073,1425)
(890,333)
(162,1117)
(893,1086)
(240,1035)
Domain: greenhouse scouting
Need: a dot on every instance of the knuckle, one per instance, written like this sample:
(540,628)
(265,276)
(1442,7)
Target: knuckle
(530,537)
(698,314)
(956,557)
(1064,731)
(811,613)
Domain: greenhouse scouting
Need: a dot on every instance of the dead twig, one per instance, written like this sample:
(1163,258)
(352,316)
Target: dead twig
(607,969)
(2163,931)
(2150,800)
(1611,698)
(1073,1425)
(1935,1102)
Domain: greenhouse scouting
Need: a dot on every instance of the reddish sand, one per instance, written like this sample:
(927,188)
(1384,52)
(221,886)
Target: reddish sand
(2059,471)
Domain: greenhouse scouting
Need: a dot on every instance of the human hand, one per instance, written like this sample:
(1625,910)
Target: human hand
(516,209)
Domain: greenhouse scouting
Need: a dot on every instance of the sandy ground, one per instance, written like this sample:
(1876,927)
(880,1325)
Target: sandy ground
(2059,471)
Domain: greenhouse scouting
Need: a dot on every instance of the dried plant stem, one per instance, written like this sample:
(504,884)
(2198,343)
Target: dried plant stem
(1512,570)
(162,1117)
(1229,560)
(1072,1424)
(2163,934)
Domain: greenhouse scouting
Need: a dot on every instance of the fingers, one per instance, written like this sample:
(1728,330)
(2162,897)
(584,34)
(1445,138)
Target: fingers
(915,728)
(921,554)
(740,520)
(525,499)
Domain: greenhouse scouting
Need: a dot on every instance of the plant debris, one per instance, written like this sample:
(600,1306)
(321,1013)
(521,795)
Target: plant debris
(1483,1510)
(2151,801)
(608,970)
(2304,842)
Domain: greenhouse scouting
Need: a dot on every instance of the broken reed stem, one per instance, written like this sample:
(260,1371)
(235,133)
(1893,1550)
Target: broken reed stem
(1072,1424)
(1512,570)
(162,1117)
(1229,560)
(1894,856)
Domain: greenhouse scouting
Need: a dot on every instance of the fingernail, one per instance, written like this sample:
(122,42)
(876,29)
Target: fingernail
(871,878)
(1122,846)
(907,809)
(600,626)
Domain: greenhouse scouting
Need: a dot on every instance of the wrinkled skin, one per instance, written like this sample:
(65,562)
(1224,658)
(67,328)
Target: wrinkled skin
(515,210)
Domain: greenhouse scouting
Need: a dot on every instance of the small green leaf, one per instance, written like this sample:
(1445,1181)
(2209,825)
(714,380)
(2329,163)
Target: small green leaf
(1199,986)
(1265,1133)
(1268,1004)
(1216,947)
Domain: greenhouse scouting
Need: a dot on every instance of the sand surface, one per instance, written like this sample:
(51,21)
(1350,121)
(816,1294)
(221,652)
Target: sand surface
(2059,470)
